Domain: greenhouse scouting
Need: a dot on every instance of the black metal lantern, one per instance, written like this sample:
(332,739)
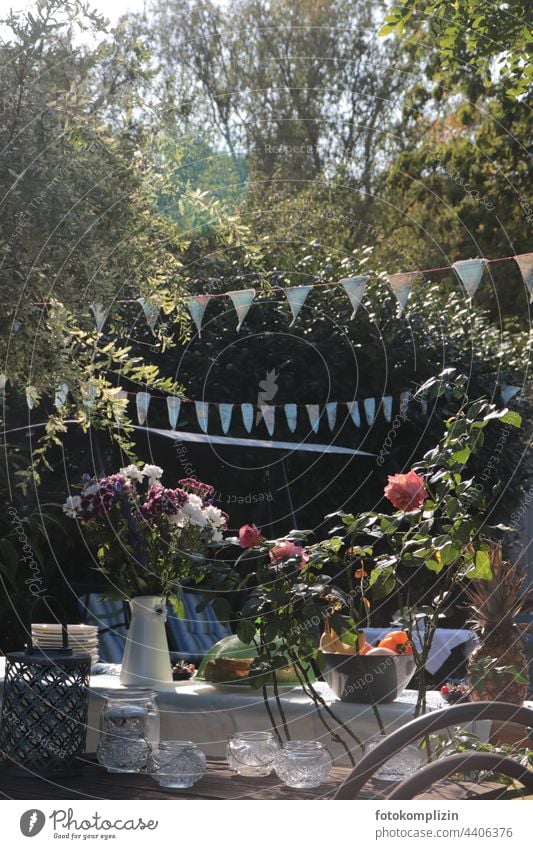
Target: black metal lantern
(44,710)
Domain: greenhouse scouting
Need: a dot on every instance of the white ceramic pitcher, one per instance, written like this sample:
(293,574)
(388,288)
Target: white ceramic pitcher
(146,659)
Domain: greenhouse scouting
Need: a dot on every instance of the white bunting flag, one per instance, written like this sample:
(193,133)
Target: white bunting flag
(151,313)
(90,393)
(202,414)
(61,395)
(173,408)
(313,411)
(508,392)
(100,315)
(31,396)
(370,410)
(291,414)
(143,402)
(242,301)
(387,407)
(354,286)
(470,272)
(525,264)
(3,382)
(331,411)
(247,416)
(353,409)
(401,284)
(269,415)
(296,296)
(225,412)
(197,307)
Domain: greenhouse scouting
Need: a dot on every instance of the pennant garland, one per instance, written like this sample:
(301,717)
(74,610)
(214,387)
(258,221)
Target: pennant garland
(61,395)
(370,409)
(296,297)
(470,272)
(353,409)
(151,312)
(269,415)
(100,315)
(197,307)
(387,407)
(3,382)
(331,412)
(401,284)
(202,414)
(225,412)
(173,407)
(291,414)
(143,402)
(313,411)
(242,301)
(525,264)
(354,287)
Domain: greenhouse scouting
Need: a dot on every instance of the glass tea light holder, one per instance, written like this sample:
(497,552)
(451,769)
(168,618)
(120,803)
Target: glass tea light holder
(123,745)
(252,753)
(303,763)
(177,764)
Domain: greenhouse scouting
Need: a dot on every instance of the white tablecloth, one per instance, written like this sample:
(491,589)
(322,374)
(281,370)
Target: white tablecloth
(210,714)
(444,640)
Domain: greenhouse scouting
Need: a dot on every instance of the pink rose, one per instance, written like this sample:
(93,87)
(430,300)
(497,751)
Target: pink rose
(406,492)
(287,549)
(249,535)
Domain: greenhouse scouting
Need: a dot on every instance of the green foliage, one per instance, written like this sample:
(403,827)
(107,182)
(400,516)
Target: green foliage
(478,33)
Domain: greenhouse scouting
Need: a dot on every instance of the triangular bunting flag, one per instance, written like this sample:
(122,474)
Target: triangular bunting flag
(269,415)
(370,409)
(387,407)
(291,414)
(247,416)
(354,286)
(313,411)
(331,410)
(353,409)
(100,315)
(401,284)
(197,307)
(296,296)
(31,396)
(242,301)
(470,272)
(143,402)
(90,393)
(151,313)
(202,414)
(225,412)
(173,407)
(508,392)
(3,382)
(61,395)
(525,264)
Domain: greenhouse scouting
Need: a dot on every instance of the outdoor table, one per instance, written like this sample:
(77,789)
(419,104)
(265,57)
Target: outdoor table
(219,782)
(210,714)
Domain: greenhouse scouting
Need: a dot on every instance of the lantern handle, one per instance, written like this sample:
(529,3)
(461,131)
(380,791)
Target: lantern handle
(62,619)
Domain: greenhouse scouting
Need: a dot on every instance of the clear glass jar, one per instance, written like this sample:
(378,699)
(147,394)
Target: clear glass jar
(146,698)
(400,765)
(177,763)
(252,752)
(303,763)
(123,745)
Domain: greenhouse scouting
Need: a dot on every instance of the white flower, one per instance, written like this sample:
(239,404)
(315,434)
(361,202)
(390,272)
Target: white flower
(194,512)
(153,473)
(214,516)
(132,472)
(72,506)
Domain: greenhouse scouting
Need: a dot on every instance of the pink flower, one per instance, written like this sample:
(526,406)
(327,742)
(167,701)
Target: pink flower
(288,549)
(406,492)
(249,535)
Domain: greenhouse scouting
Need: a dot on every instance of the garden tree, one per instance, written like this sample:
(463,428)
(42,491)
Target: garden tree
(461,188)
(302,90)
(485,36)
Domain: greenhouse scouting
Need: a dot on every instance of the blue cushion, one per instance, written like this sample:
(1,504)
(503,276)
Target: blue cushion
(196,632)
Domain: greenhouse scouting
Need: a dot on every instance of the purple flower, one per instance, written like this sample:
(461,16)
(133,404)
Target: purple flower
(203,490)
(162,502)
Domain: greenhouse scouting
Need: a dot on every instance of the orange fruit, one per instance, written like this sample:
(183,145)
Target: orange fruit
(397,641)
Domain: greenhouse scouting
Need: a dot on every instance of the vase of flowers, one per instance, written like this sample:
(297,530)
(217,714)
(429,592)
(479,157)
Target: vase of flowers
(148,539)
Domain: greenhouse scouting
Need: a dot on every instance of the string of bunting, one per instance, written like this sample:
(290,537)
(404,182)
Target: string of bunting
(469,272)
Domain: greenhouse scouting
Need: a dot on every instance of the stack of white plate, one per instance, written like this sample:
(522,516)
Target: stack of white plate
(81,638)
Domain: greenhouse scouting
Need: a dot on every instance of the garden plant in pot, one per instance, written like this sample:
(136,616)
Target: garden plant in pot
(148,539)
